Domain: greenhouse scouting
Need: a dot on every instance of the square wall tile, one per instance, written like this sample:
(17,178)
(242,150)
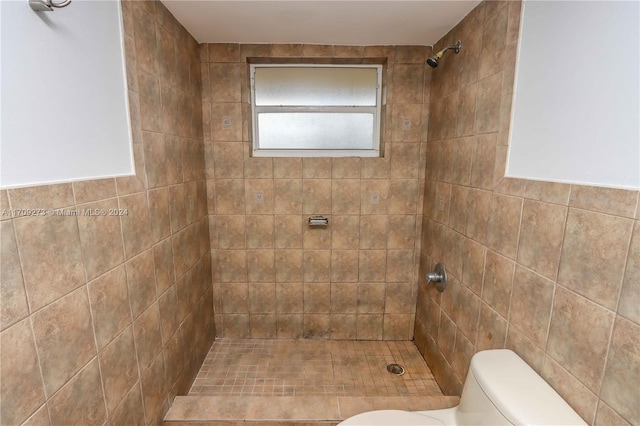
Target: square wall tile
(404,196)
(577,395)
(344,299)
(289,266)
(109,298)
(372,265)
(153,390)
(225,81)
(65,339)
(623,371)
(119,368)
(231,231)
(287,168)
(494,38)
(467,319)
(483,161)
(400,266)
(80,400)
(579,336)
(629,304)
(316,326)
(473,266)
(397,327)
(594,250)
(548,192)
(526,349)
(369,327)
(316,238)
(288,231)
(164,268)
(492,329)
(101,238)
(541,237)
(345,232)
(227,158)
(344,266)
(260,266)
(42,197)
(148,340)
(20,371)
(504,225)
(221,115)
(345,168)
(130,411)
(316,196)
(343,326)
(317,298)
(259,196)
(263,326)
(159,213)
(51,256)
(260,231)
(235,298)
(290,326)
(288,196)
(374,196)
(613,201)
(136,225)
(607,416)
(94,190)
(13,298)
(458,208)
(373,231)
(488,104)
(289,298)
(345,196)
(498,282)
(477,223)
(262,298)
(141,282)
(233,265)
(531,304)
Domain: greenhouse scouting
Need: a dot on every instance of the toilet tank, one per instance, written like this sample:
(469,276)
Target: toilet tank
(501,389)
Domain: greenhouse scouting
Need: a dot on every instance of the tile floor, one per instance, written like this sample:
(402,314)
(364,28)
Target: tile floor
(259,367)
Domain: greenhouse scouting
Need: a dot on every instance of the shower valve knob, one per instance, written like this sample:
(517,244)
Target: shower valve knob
(438,277)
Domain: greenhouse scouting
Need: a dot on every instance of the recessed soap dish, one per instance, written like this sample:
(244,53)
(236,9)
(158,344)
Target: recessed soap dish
(318,221)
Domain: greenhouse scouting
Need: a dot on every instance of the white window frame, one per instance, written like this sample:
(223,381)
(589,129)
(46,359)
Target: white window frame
(375,110)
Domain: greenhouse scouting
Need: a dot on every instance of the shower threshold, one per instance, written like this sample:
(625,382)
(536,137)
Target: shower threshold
(262,381)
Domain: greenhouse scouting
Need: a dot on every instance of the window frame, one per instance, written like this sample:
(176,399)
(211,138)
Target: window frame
(376,110)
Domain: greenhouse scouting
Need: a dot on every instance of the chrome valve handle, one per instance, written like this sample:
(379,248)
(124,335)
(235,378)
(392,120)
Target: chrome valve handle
(438,277)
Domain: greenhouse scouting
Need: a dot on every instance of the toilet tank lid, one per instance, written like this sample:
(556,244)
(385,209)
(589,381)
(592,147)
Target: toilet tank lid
(518,392)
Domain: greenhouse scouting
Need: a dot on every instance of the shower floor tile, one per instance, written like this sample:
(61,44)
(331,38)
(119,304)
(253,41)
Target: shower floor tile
(259,367)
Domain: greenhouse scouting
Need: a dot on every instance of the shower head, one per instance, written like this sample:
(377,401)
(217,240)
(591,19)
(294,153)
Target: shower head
(433,61)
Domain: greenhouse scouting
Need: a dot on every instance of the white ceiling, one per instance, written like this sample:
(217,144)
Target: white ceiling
(355,22)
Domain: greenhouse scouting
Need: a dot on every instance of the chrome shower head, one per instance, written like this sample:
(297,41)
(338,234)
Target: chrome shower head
(433,61)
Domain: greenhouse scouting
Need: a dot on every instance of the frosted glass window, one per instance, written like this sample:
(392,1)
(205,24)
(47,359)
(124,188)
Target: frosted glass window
(316,110)
(315,130)
(316,86)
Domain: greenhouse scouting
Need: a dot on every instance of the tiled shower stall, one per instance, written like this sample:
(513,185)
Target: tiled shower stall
(277,277)
(107,319)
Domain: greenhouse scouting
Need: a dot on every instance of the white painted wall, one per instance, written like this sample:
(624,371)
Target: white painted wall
(576,115)
(64,103)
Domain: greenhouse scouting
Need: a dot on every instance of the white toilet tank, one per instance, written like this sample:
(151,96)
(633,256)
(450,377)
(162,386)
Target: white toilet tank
(501,389)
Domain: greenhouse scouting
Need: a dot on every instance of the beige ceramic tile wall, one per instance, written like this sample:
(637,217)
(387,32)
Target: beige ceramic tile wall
(273,275)
(549,270)
(105,318)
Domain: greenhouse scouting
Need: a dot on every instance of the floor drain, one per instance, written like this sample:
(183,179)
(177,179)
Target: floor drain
(395,369)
